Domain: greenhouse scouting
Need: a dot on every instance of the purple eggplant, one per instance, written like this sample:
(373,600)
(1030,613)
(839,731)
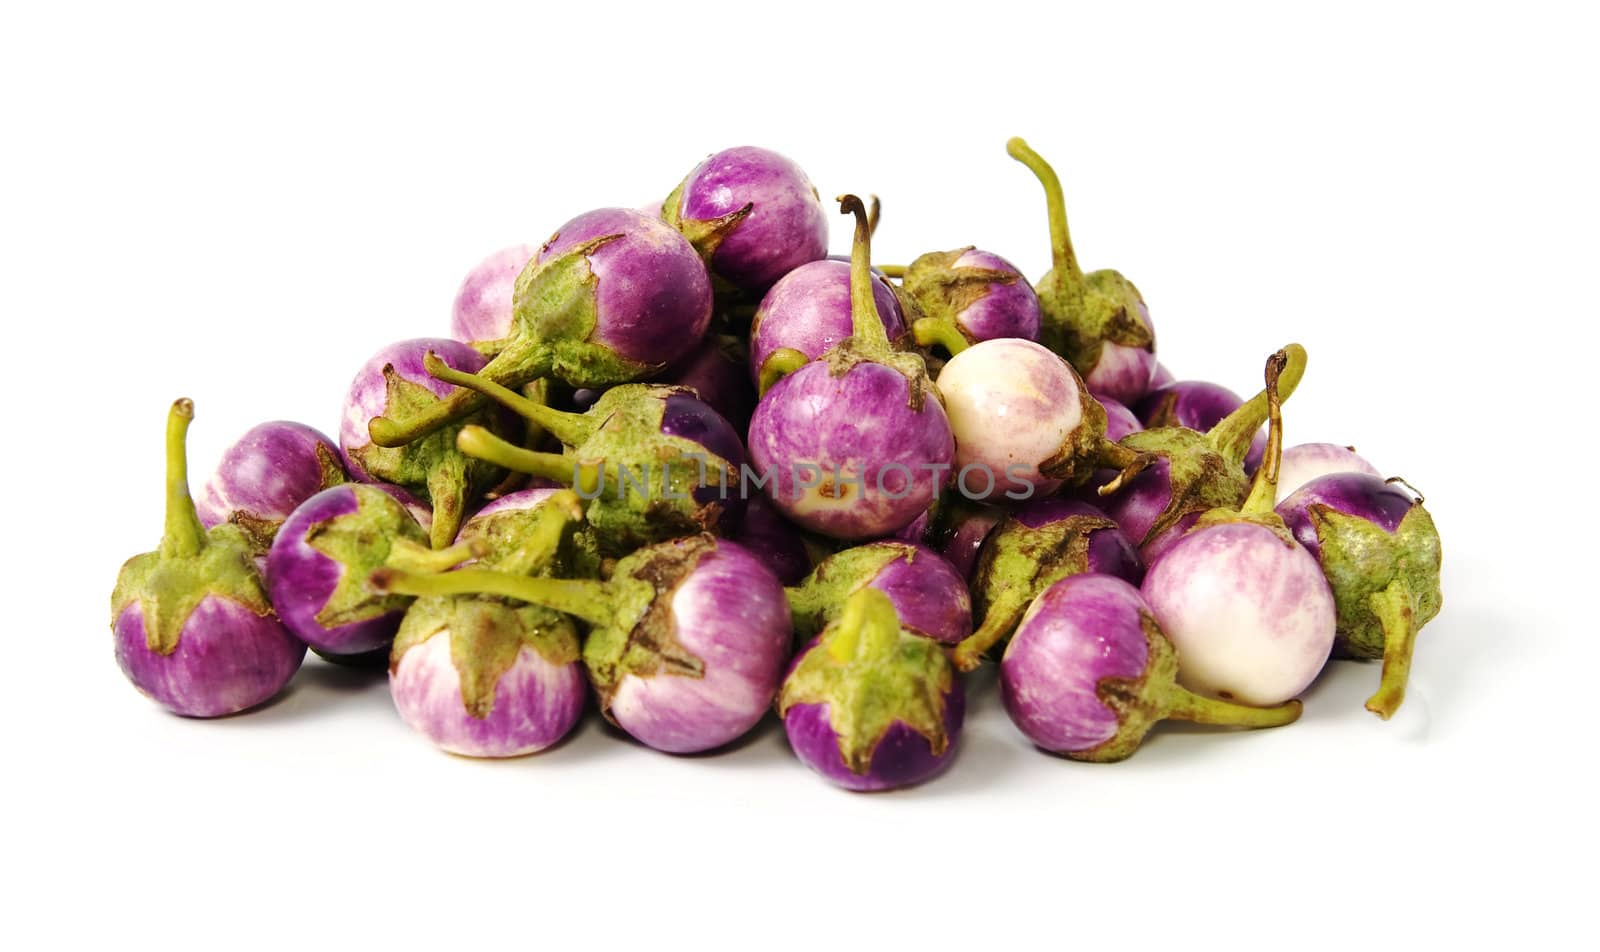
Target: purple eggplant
(1042,542)
(192,625)
(396,381)
(265,474)
(1191,471)
(853,445)
(771,538)
(808,313)
(1246,606)
(654,462)
(1307,461)
(484,678)
(613,296)
(687,639)
(965,532)
(1162,377)
(870,706)
(929,596)
(1089,672)
(716,373)
(1120,421)
(1097,321)
(752,214)
(1380,552)
(1198,405)
(1023,420)
(482,310)
(967,296)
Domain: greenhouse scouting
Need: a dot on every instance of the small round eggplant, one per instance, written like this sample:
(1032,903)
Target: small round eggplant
(928,594)
(482,310)
(191,622)
(870,706)
(808,313)
(265,474)
(967,296)
(716,374)
(1198,405)
(1089,672)
(1308,461)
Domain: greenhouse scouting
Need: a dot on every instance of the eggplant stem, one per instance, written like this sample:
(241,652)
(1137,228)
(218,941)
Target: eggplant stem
(408,556)
(779,364)
(892,270)
(584,598)
(866,326)
(1264,488)
(185,535)
(479,443)
(941,331)
(1396,611)
(554,516)
(570,428)
(867,628)
(1063,259)
(1184,705)
(999,619)
(1232,435)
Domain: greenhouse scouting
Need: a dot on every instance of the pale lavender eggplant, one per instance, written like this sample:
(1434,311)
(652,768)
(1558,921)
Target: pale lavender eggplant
(482,309)
(266,473)
(1080,630)
(770,538)
(731,613)
(808,310)
(1120,421)
(652,293)
(302,579)
(784,229)
(536,702)
(1308,461)
(1247,609)
(718,376)
(368,396)
(228,659)
(860,424)
(1007,310)
(902,757)
(1122,373)
(1198,405)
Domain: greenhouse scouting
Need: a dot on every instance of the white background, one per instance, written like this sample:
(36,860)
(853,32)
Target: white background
(241,206)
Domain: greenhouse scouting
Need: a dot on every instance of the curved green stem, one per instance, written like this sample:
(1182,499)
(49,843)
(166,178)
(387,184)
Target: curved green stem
(185,535)
(866,326)
(1264,488)
(1184,705)
(447,495)
(1128,464)
(585,598)
(555,515)
(479,443)
(999,620)
(1063,259)
(1396,611)
(1232,435)
(408,556)
(512,367)
(941,331)
(868,627)
(779,364)
(874,211)
(570,428)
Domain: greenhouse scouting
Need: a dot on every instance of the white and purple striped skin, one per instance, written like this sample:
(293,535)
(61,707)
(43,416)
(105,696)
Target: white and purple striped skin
(1123,373)
(368,396)
(770,538)
(928,594)
(856,424)
(731,613)
(1162,377)
(652,293)
(536,703)
(266,473)
(1079,631)
(228,659)
(1309,461)
(902,757)
(786,227)
(482,308)
(1201,405)
(1008,310)
(1249,612)
(1013,404)
(300,579)
(808,310)
(1363,495)
(719,379)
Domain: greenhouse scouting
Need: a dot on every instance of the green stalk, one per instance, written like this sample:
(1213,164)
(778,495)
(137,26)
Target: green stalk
(479,443)
(999,620)
(1396,611)
(1232,435)
(1063,259)
(779,364)
(866,326)
(868,627)
(570,428)
(1184,705)
(941,331)
(1264,488)
(584,598)
(555,515)
(185,535)
(408,556)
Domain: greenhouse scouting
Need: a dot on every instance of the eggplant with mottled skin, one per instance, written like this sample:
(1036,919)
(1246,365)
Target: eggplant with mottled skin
(869,705)
(613,296)
(1380,552)
(1198,405)
(716,374)
(752,214)
(1307,461)
(808,313)
(482,311)
(967,296)
(191,622)
(855,444)
(687,638)
(1246,606)
(483,678)
(1089,672)
(929,596)
(1097,321)
(265,474)
(1042,542)
(396,381)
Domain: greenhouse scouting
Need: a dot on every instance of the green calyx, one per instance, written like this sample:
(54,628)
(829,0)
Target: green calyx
(943,292)
(1385,588)
(486,636)
(191,563)
(1018,562)
(821,595)
(1257,506)
(430,465)
(1140,703)
(1086,449)
(1201,478)
(362,542)
(871,673)
(537,540)
(1079,312)
(641,637)
(261,530)
(706,235)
